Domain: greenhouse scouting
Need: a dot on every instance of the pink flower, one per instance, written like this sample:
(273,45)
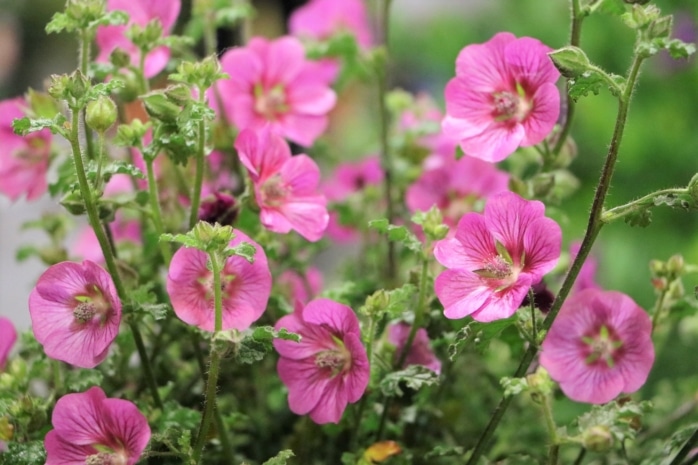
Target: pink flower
(286,187)
(586,279)
(140,12)
(320,19)
(75,312)
(91,428)
(455,187)
(351,177)
(503,96)
(328,368)
(423,120)
(301,288)
(495,258)
(246,287)
(23,160)
(420,352)
(599,346)
(8,336)
(272,83)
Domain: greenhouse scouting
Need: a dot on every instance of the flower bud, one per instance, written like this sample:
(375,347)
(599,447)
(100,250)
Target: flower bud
(693,188)
(675,265)
(72,201)
(120,58)
(219,208)
(101,114)
(78,84)
(598,438)
(570,61)
(159,107)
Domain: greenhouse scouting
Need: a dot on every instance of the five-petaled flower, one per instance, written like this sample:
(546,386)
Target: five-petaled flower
(272,83)
(599,346)
(8,336)
(328,368)
(23,159)
(91,429)
(141,12)
(286,186)
(495,257)
(503,96)
(75,312)
(245,287)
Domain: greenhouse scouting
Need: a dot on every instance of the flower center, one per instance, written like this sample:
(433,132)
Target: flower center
(337,360)
(603,347)
(270,103)
(511,105)
(496,267)
(106,458)
(274,191)
(84,311)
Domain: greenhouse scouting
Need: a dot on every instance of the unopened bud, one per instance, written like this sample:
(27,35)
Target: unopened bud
(219,208)
(120,58)
(101,114)
(675,265)
(159,107)
(570,61)
(598,438)
(662,27)
(693,188)
(72,201)
(78,84)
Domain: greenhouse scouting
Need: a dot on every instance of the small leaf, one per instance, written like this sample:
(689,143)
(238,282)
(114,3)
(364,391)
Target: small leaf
(414,377)
(478,335)
(397,234)
(281,458)
(641,218)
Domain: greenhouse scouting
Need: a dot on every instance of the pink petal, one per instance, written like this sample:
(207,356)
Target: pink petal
(495,143)
(283,59)
(488,60)
(543,117)
(461,293)
(330,407)
(62,452)
(338,318)
(80,418)
(305,381)
(503,304)
(542,242)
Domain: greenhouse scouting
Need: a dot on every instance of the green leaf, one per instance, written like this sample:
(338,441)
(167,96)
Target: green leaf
(513,386)
(281,458)
(478,335)
(610,7)
(593,81)
(620,419)
(414,377)
(392,303)
(641,218)
(445,451)
(231,15)
(24,453)
(397,234)
(244,250)
(24,126)
(255,345)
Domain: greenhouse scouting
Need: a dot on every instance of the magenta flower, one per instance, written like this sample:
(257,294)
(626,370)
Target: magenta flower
(301,288)
(455,187)
(286,187)
(75,312)
(23,159)
(420,352)
(272,83)
(503,96)
(91,428)
(328,368)
(8,336)
(352,177)
(423,120)
(141,13)
(599,346)
(246,287)
(320,19)
(495,258)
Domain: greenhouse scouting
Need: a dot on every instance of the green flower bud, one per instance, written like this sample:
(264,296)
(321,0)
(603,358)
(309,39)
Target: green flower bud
(693,188)
(159,107)
(178,94)
(59,85)
(120,58)
(570,61)
(662,27)
(675,265)
(72,201)
(78,85)
(598,438)
(101,114)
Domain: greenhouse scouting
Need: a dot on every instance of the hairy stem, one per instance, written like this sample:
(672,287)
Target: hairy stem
(156,212)
(418,314)
(199,173)
(593,228)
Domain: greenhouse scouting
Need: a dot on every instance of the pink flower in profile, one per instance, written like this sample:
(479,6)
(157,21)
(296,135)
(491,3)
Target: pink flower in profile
(455,187)
(328,368)
(246,287)
(286,186)
(75,312)
(8,336)
(599,346)
(23,159)
(420,352)
(301,287)
(90,428)
(495,257)
(140,12)
(503,96)
(272,83)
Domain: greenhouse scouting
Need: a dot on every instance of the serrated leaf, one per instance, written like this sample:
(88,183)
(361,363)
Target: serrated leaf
(641,218)
(24,126)
(397,234)
(281,458)
(25,252)
(478,335)
(414,377)
(24,453)
(593,81)
(445,451)
(513,386)
(611,7)
(244,250)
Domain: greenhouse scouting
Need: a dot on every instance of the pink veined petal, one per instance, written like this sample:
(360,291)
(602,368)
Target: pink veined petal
(542,242)
(461,293)
(508,216)
(474,176)
(247,296)
(315,338)
(430,189)
(244,68)
(543,117)
(62,452)
(463,103)
(311,100)
(495,143)
(303,129)
(307,215)
(356,380)
(451,253)
(262,152)
(330,407)
(488,60)
(476,240)
(594,386)
(503,304)
(336,317)
(125,422)
(305,381)
(528,61)
(156,61)
(80,418)
(283,58)
(301,174)
(275,220)
(187,295)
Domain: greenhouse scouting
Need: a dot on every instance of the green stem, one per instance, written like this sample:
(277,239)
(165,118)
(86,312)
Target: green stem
(156,212)
(212,381)
(683,453)
(385,155)
(418,314)
(639,204)
(199,174)
(593,228)
(580,456)
(93,216)
(554,451)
